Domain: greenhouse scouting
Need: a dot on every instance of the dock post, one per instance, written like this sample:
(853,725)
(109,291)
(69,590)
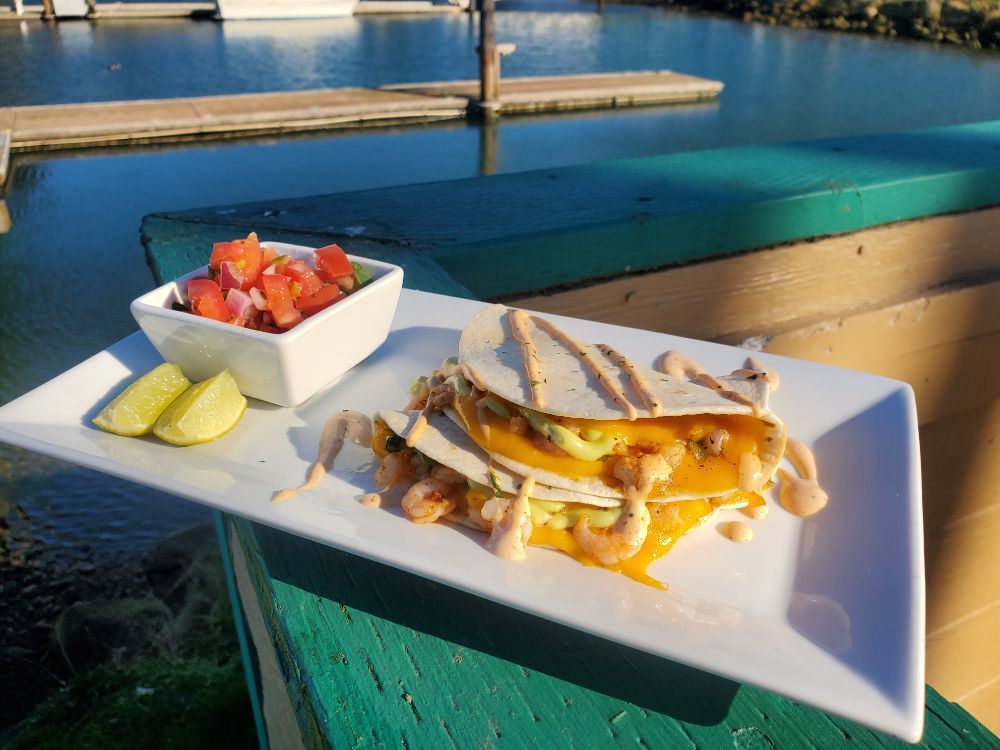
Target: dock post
(489,65)
(48,9)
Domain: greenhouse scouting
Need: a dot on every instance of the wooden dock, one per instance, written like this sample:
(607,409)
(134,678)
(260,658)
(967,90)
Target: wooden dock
(126,11)
(587,91)
(40,128)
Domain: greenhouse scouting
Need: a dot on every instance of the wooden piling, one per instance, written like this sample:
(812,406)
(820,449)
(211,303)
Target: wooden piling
(489,64)
(5,139)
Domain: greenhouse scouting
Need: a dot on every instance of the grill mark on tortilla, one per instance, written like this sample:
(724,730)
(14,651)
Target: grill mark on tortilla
(581,353)
(709,381)
(519,330)
(679,365)
(637,381)
(352,424)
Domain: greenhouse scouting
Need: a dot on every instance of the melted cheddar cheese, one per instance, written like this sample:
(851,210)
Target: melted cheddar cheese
(668,523)
(710,476)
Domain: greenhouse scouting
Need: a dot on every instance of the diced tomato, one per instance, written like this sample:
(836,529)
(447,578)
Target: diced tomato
(320,300)
(205,298)
(332,263)
(269,255)
(223,252)
(277,290)
(309,283)
(239,262)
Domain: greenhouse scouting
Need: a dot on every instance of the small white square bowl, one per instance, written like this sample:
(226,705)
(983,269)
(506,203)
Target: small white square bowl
(281,368)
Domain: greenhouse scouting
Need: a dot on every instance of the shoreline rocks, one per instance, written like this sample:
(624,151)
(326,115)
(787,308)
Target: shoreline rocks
(968,23)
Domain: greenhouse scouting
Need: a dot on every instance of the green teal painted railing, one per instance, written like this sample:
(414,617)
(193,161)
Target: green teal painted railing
(565,226)
(378,657)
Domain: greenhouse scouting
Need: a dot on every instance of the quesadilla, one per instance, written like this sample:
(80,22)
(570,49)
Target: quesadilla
(540,439)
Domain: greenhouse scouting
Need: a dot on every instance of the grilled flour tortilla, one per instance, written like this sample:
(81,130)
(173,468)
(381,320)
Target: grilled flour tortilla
(538,439)
(595,406)
(443,441)
(474,493)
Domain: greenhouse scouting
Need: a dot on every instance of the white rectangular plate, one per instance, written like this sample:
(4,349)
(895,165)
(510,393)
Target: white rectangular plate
(827,610)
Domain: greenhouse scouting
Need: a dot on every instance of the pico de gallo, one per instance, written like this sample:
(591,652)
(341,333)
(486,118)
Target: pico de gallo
(254,287)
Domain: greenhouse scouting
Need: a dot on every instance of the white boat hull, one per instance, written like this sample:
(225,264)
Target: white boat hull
(275,9)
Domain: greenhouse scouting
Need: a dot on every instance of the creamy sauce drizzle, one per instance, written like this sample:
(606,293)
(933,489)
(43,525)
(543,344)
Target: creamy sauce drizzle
(736,531)
(639,384)
(519,328)
(372,500)
(510,534)
(708,380)
(768,374)
(351,424)
(755,512)
(633,523)
(801,495)
(678,365)
(581,353)
(751,476)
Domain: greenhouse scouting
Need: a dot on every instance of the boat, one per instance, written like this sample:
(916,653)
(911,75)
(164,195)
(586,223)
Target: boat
(276,9)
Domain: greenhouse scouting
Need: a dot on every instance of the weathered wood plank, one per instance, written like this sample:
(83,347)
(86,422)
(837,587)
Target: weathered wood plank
(984,704)
(120,122)
(576,224)
(967,642)
(370,670)
(547,93)
(110,123)
(944,345)
(790,287)
(961,473)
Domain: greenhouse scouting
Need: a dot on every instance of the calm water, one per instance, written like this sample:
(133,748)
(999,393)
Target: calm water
(72,261)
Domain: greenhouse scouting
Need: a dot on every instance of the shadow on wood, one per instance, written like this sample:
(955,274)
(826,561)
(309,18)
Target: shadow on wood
(649,682)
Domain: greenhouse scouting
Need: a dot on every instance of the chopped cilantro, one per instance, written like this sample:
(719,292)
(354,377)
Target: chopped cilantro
(496,485)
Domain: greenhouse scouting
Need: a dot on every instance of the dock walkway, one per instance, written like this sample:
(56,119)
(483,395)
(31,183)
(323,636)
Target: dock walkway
(133,11)
(39,128)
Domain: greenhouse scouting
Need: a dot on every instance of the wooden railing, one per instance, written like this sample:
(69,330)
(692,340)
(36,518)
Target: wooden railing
(876,252)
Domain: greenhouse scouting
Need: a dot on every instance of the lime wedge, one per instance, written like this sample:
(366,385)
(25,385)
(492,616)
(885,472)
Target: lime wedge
(204,412)
(136,409)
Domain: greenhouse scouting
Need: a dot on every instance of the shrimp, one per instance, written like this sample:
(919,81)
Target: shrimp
(390,470)
(428,500)
(446,474)
(715,441)
(607,546)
